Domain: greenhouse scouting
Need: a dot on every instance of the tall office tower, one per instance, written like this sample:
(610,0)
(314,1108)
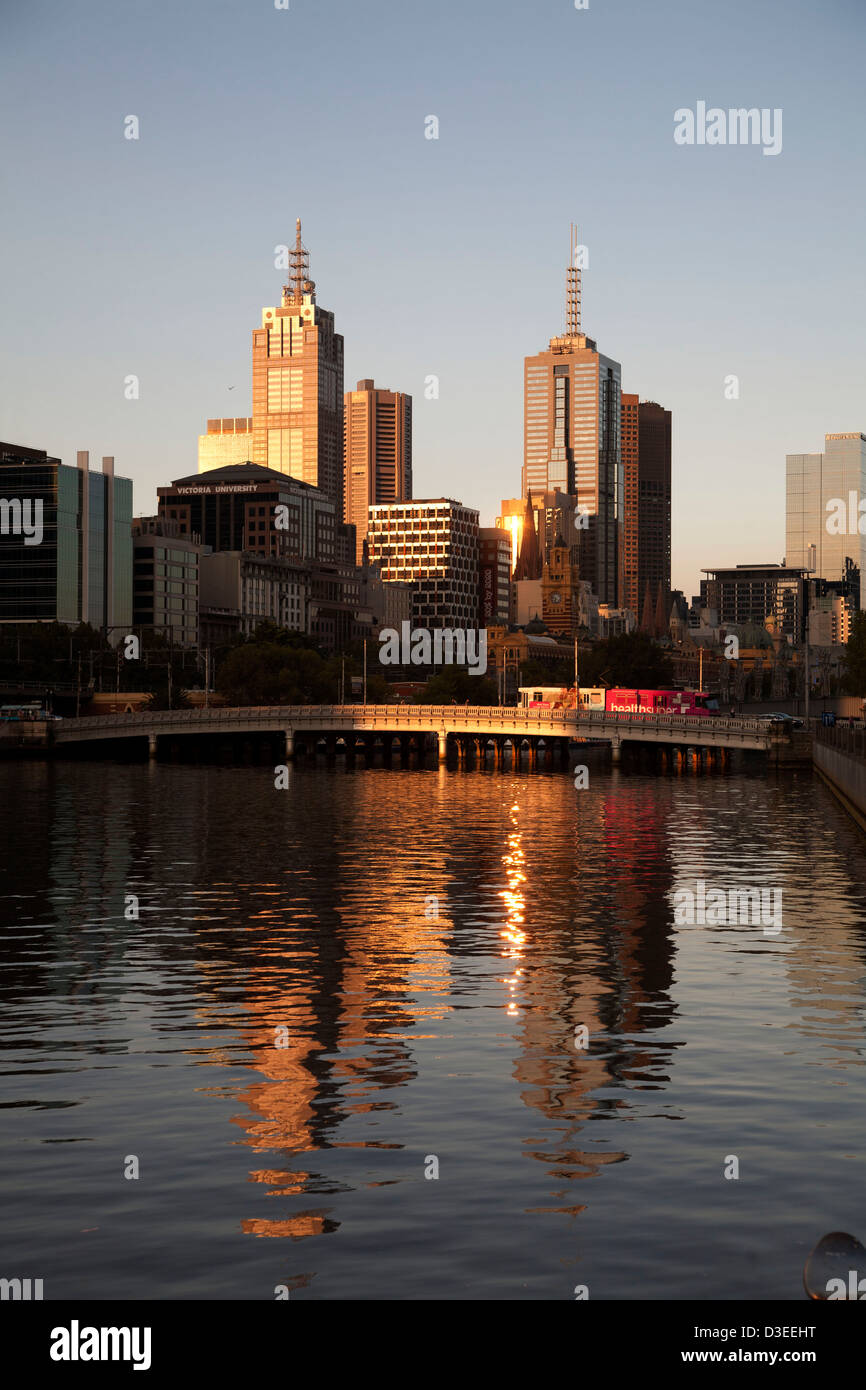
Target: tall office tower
(630,592)
(824,492)
(431,544)
(226,442)
(646,539)
(377,453)
(572,436)
(71,562)
(298,385)
(654,506)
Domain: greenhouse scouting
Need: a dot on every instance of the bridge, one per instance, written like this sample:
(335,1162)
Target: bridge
(450,725)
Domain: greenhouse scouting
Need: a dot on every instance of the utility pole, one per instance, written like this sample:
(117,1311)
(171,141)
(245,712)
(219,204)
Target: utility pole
(701,669)
(78,689)
(365,670)
(807,668)
(343,681)
(576,681)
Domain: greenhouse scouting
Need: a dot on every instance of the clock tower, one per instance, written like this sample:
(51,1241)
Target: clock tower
(560,592)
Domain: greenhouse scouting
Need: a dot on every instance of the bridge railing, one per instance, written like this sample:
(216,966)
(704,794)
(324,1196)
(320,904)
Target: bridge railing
(423,716)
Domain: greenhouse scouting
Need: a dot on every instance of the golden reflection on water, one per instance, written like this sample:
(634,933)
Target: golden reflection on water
(514,863)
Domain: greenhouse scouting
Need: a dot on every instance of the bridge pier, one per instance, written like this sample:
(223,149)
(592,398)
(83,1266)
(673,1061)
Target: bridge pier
(615,751)
(152,741)
(443,746)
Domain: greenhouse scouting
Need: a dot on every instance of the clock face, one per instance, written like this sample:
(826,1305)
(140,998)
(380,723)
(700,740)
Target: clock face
(556,598)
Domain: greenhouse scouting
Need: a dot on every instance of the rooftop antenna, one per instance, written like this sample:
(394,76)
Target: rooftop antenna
(572,289)
(299,272)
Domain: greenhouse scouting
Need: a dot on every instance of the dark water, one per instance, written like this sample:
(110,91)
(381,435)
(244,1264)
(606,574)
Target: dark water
(411,1036)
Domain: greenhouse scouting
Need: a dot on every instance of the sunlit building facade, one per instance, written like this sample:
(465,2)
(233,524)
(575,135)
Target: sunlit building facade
(227,441)
(432,544)
(377,453)
(298,386)
(823,493)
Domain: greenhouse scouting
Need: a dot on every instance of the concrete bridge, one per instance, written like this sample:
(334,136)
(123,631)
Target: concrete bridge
(462,725)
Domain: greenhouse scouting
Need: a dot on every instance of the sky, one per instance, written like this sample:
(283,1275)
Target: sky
(153,257)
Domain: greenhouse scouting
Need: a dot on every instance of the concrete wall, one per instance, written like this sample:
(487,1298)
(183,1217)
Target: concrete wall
(847,776)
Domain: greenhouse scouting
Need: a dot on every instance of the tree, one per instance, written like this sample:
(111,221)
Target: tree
(274,673)
(630,659)
(454,684)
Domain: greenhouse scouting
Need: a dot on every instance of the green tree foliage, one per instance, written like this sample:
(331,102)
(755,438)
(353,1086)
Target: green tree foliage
(630,659)
(274,673)
(454,684)
(534,672)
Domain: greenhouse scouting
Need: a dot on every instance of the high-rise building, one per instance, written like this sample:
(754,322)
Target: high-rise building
(431,543)
(494,576)
(165,579)
(823,520)
(298,385)
(654,503)
(572,437)
(377,452)
(646,539)
(226,442)
(72,561)
(630,591)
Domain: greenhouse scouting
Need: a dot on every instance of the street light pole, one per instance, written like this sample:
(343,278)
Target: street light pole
(365,670)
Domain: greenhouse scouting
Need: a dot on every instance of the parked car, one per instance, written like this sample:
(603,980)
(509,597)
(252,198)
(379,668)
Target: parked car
(777,718)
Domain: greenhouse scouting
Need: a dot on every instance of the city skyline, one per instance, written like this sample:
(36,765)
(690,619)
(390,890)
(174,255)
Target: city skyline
(692,252)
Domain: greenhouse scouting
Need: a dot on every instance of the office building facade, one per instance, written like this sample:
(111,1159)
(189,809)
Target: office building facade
(771,596)
(247,507)
(822,515)
(226,442)
(80,567)
(298,386)
(432,544)
(377,453)
(494,576)
(572,439)
(165,582)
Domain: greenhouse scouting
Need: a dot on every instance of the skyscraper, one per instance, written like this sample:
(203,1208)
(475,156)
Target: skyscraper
(298,385)
(822,523)
(78,567)
(572,436)
(377,453)
(646,542)
(630,591)
(226,442)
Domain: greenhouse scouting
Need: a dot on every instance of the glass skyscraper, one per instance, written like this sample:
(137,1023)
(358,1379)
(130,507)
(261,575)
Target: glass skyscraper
(823,520)
(80,569)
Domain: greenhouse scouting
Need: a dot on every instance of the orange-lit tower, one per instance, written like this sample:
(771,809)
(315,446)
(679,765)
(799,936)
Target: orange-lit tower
(298,385)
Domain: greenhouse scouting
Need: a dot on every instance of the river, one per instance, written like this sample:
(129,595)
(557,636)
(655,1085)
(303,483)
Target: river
(393,1033)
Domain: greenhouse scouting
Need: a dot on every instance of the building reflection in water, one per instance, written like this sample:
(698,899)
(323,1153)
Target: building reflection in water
(359,912)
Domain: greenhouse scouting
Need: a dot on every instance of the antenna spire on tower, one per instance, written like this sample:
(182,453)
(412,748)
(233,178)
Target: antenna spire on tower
(299,272)
(572,289)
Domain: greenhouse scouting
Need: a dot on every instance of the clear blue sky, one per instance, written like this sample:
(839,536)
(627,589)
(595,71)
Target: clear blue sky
(154,257)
